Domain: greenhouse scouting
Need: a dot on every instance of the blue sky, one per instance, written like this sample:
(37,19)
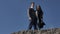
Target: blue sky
(13,14)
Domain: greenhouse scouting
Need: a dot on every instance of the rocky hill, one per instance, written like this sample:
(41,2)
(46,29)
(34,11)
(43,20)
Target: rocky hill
(46,31)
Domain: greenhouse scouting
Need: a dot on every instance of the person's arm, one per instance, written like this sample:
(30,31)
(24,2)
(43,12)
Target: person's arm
(36,14)
(28,14)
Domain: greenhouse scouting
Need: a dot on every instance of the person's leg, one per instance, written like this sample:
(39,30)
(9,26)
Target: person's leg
(35,27)
(39,21)
(35,24)
(30,25)
(39,24)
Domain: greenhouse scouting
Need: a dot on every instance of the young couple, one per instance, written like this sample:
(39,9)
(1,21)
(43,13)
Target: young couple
(35,17)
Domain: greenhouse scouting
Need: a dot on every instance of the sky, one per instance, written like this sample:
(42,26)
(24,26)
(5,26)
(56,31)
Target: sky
(13,14)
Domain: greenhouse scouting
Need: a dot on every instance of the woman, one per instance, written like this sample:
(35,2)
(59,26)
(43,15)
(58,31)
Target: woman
(39,14)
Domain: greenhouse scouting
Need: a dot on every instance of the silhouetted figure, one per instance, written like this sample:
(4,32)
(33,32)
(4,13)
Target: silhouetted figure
(32,17)
(39,14)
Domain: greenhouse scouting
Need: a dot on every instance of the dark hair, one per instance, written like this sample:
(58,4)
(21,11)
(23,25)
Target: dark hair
(32,3)
(39,7)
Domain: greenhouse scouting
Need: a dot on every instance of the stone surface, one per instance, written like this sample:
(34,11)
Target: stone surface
(47,31)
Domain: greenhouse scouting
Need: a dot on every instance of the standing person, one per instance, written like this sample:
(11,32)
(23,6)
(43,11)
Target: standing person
(39,14)
(32,17)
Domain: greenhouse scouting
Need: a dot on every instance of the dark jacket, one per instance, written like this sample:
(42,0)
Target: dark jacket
(40,14)
(32,13)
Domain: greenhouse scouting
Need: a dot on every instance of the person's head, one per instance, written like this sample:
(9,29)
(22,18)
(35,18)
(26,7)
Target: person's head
(38,7)
(32,4)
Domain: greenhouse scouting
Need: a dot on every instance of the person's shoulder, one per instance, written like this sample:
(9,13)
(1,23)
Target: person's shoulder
(30,8)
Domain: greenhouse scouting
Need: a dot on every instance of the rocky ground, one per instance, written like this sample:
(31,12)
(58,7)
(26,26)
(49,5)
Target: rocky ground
(46,31)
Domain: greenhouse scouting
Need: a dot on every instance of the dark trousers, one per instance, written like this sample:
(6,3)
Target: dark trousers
(33,22)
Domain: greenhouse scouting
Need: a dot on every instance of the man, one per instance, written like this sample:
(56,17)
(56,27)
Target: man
(32,17)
